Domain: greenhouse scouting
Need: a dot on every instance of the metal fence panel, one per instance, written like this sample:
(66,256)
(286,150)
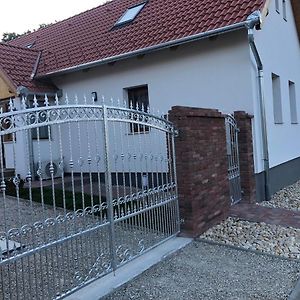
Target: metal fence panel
(233,159)
(85,188)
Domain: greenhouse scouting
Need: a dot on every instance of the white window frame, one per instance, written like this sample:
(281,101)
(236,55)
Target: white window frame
(293,102)
(277,6)
(277,99)
(136,104)
(284,9)
(130,14)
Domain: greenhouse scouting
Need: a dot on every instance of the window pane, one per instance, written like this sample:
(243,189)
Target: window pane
(138,99)
(43,130)
(130,14)
(43,133)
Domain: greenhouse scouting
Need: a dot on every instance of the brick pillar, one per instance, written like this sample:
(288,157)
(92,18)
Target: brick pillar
(201,163)
(246,156)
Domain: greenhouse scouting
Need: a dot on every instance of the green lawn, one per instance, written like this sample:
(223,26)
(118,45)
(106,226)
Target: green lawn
(48,197)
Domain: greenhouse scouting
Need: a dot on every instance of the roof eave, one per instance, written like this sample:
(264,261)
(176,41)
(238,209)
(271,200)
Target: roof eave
(173,43)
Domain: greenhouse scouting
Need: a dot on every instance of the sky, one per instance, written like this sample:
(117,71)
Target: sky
(20,15)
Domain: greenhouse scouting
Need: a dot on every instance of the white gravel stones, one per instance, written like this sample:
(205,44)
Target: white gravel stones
(288,198)
(272,239)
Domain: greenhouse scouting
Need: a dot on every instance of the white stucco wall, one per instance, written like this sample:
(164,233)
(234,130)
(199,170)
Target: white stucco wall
(213,74)
(278,45)
(209,74)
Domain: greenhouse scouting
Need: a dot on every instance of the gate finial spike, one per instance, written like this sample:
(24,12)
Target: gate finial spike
(85,99)
(23,102)
(11,105)
(46,102)
(103,99)
(56,100)
(76,99)
(35,102)
(167,116)
(66,99)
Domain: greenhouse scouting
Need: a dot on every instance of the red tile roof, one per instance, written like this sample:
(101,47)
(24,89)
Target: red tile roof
(17,64)
(91,36)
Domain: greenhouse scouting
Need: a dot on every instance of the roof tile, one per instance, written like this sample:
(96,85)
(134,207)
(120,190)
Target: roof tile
(18,64)
(91,35)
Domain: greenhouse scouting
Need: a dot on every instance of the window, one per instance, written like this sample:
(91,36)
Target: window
(7,137)
(43,130)
(43,133)
(130,14)
(277,106)
(138,99)
(284,10)
(293,104)
(277,6)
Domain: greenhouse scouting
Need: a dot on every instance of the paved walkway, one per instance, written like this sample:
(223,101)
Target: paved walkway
(256,213)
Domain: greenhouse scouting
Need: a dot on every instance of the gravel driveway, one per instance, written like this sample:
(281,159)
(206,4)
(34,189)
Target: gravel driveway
(204,271)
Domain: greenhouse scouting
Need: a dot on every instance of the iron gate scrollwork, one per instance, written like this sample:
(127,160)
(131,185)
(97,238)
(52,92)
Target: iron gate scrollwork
(233,159)
(86,194)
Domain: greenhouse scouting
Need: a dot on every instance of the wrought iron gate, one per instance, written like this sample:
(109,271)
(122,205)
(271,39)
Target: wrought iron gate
(94,186)
(233,159)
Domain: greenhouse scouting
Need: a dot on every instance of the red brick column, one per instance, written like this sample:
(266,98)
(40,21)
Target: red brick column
(246,156)
(201,168)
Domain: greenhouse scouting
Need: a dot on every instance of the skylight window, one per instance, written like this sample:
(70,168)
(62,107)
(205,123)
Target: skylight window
(29,46)
(130,14)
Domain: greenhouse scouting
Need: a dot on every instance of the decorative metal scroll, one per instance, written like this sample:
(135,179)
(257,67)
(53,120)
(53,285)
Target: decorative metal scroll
(84,188)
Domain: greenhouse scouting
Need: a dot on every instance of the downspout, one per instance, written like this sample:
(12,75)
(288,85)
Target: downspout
(254,20)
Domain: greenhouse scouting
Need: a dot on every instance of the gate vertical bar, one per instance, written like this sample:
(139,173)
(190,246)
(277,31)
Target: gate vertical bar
(173,135)
(108,187)
(233,159)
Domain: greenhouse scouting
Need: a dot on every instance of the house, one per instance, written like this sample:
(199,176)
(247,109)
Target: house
(230,55)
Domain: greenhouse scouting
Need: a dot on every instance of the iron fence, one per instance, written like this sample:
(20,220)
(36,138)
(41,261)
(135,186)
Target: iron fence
(85,188)
(233,159)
